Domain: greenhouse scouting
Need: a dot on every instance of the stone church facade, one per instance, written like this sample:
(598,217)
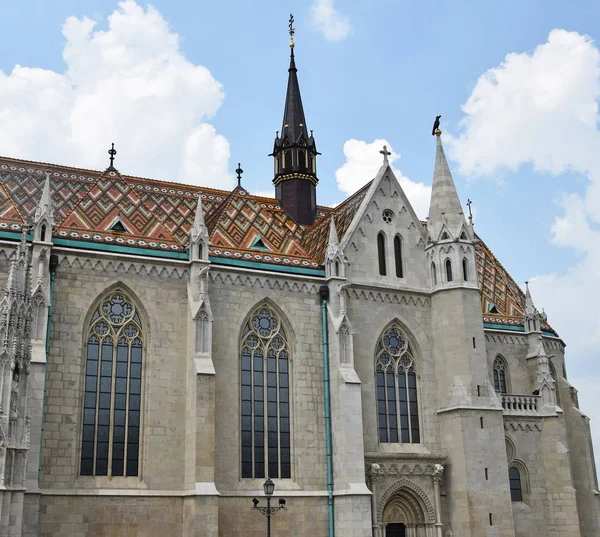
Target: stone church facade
(165,348)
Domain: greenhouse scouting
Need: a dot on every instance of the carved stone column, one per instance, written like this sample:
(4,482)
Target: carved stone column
(437,499)
(374,474)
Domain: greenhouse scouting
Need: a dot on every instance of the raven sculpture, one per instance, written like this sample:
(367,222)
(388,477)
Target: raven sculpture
(436,125)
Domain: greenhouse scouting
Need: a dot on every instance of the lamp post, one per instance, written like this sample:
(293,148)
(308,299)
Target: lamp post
(269,511)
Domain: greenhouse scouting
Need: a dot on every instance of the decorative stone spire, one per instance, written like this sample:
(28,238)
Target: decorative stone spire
(16,301)
(43,220)
(532,316)
(335,260)
(445,209)
(295,153)
(199,235)
(15,352)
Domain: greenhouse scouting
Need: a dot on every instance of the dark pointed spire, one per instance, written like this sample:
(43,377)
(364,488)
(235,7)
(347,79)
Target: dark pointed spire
(294,122)
(295,153)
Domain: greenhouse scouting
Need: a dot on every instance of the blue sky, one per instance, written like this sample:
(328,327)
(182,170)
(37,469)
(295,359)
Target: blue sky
(522,139)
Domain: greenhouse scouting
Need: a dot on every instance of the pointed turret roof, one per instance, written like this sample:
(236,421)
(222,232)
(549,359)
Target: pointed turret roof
(44,206)
(294,122)
(529,307)
(333,237)
(445,208)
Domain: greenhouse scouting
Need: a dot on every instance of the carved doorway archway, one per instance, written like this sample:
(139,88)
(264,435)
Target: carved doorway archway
(405,511)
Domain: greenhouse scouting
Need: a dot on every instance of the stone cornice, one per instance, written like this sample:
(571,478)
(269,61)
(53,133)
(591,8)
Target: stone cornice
(377,294)
(271,281)
(371,456)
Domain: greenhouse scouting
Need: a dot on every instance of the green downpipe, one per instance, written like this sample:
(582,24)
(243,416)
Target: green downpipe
(324,293)
(53,265)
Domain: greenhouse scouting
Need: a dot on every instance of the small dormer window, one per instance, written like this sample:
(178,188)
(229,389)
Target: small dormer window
(258,244)
(445,236)
(118,227)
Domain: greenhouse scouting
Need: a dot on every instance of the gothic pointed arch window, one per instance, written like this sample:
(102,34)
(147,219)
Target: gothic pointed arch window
(110,444)
(396,383)
(514,479)
(500,372)
(265,396)
(448,265)
(433,274)
(38,311)
(381,253)
(398,256)
(465,268)
(202,332)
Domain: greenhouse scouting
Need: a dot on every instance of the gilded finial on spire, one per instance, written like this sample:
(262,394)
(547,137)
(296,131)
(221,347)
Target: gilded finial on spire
(292,30)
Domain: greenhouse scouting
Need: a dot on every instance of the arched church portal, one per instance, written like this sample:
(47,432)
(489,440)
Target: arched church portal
(405,512)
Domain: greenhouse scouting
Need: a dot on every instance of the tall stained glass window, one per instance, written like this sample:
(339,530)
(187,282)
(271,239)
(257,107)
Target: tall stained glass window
(265,394)
(110,443)
(396,384)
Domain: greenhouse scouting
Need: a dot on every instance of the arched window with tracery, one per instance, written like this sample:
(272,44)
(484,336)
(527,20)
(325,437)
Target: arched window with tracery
(265,396)
(500,369)
(110,443)
(381,253)
(396,382)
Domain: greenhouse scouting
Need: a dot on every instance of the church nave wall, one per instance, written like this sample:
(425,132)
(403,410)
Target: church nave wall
(161,303)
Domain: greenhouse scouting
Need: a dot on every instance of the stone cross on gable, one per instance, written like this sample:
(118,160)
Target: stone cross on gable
(385,154)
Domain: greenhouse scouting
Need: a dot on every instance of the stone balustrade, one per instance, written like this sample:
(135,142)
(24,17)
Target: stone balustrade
(521,404)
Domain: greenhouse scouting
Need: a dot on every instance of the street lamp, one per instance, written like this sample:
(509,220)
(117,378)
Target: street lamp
(269,511)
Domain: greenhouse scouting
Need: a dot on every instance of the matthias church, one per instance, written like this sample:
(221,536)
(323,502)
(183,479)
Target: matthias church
(166,348)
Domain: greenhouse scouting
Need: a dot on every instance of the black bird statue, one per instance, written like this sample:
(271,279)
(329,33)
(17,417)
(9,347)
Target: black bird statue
(436,125)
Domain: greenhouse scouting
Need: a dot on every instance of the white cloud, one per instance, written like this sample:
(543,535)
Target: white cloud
(129,84)
(541,108)
(362,162)
(327,20)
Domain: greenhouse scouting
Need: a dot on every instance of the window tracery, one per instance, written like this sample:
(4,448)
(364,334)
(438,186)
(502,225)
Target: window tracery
(396,382)
(500,370)
(265,397)
(112,398)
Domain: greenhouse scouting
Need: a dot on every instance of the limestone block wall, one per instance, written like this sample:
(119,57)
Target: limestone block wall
(523,452)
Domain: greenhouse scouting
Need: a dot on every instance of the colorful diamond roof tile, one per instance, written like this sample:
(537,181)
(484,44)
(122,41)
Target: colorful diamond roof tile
(317,236)
(9,215)
(159,215)
(110,200)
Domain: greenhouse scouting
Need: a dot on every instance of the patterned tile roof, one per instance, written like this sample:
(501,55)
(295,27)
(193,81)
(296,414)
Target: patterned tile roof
(159,215)
(315,240)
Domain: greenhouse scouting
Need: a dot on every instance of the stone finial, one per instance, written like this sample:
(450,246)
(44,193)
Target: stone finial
(385,154)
